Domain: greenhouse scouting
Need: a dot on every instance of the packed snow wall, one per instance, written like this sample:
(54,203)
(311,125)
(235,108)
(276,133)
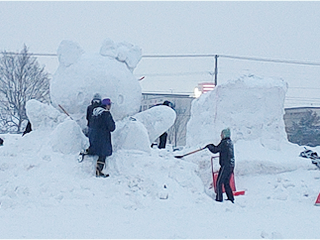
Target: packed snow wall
(252,107)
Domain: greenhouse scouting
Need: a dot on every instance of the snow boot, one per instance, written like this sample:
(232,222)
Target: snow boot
(82,154)
(99,168)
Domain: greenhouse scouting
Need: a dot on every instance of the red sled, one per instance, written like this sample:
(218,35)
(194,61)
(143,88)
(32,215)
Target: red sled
(232,182)
(317,203)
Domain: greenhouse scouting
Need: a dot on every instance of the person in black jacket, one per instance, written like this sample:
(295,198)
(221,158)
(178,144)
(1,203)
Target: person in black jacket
(95,102)
(101,124)
(226,161)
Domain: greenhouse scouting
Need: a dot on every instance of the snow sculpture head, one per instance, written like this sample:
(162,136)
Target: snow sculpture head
(109,72)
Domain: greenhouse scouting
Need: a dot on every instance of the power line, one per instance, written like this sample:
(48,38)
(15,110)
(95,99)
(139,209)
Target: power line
(196,56)
(177,74)
(33,54)
(232,57)
(272,60)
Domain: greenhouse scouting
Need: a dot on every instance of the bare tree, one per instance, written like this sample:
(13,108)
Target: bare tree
(21,79)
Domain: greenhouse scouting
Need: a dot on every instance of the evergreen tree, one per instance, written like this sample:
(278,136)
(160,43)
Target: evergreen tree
(306,131)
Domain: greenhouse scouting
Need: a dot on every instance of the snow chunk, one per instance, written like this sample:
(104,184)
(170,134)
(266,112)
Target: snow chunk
(130,134)
(68,138)
(157,120)
(43,116)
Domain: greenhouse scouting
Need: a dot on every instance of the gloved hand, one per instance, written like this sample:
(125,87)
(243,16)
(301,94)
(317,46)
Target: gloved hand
(211,145)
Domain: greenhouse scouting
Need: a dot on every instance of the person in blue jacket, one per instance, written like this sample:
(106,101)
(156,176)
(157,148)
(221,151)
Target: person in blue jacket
(101,124)
(226,162)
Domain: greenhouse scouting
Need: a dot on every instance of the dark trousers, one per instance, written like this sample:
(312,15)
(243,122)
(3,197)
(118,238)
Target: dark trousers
(163,140)
(224,178)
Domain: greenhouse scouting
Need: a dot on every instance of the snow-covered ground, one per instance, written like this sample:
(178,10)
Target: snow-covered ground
(50,195)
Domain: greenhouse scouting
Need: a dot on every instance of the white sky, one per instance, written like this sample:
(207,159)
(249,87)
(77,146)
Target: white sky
(275,30)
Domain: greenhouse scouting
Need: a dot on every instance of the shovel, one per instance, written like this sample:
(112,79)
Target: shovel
(65,111)
(190,153)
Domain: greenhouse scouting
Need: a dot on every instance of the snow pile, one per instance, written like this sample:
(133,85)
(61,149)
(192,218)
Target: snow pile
(250,106)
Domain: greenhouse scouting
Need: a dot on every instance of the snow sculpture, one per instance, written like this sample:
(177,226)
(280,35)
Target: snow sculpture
(251,106)
(79,76)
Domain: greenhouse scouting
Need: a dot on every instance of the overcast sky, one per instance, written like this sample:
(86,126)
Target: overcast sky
(275,30)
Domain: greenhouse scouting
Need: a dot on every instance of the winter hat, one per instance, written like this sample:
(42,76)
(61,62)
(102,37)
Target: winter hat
(168,103)
(106,102)
(226,133)
(97,96)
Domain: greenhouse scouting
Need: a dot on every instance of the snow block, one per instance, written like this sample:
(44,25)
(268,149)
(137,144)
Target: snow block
(317,203)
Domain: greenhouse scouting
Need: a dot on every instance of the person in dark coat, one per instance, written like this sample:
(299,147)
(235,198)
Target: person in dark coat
(95,102)
(163,137)
(28,129)
(101,124)
(1,141)
(226,161)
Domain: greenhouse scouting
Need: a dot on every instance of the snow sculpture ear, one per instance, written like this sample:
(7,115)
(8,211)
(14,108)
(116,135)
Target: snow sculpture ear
(123,52)
(108,48)
(69,52)
(129,54)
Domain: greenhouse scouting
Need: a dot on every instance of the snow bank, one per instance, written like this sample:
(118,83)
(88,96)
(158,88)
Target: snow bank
(250,106)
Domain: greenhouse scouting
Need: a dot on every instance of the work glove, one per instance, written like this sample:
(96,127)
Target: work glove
(211,145)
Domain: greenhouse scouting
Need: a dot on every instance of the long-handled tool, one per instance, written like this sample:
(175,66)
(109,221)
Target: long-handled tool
(65,111)
(190,153)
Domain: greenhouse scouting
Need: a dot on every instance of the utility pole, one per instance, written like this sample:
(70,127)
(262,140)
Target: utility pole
(215,70)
